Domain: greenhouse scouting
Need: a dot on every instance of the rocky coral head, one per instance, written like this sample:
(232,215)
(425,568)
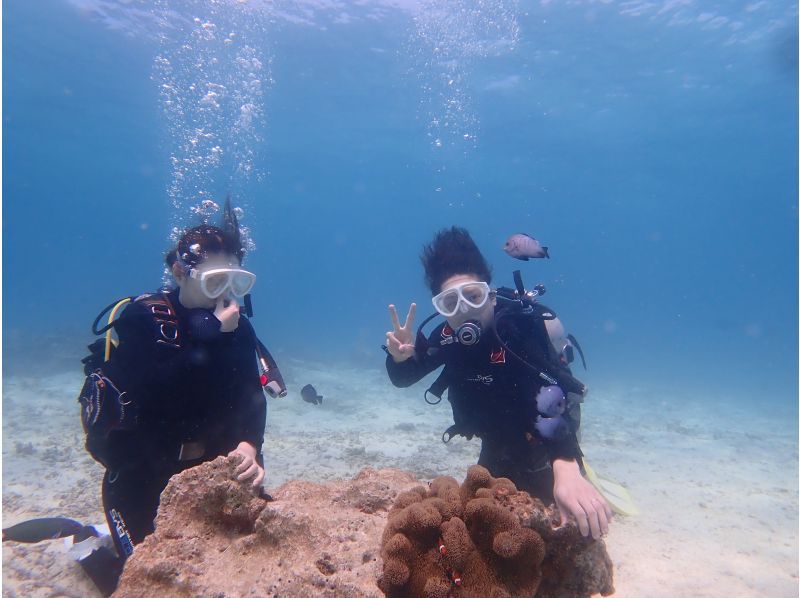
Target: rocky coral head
(214,497)
(214,537)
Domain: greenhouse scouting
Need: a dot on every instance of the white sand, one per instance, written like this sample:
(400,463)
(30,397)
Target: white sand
(718,490)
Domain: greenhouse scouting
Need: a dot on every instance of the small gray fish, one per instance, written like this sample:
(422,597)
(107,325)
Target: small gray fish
(46,528)
(524,247)
(551,401)
(309,394)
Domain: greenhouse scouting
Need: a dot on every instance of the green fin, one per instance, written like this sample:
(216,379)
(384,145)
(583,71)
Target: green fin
(617,495)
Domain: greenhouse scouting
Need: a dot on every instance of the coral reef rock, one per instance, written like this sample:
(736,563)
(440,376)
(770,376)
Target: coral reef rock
(484,538)
(379,532)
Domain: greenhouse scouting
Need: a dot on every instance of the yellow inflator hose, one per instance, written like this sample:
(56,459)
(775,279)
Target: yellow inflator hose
(111,316)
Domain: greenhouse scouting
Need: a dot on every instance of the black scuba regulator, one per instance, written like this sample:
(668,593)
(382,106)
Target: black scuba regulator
(468,334)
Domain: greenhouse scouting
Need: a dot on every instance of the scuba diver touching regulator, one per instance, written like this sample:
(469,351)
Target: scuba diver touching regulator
(184,384)
(508,380)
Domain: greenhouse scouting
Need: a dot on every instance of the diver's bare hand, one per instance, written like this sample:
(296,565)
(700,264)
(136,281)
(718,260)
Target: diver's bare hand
(576,498)
(400,340)
(248,466)
(227,312)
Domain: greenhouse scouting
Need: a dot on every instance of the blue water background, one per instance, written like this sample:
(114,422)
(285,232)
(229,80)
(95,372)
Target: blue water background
(657,161)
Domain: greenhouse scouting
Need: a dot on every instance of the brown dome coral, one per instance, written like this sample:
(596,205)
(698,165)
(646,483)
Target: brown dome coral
(450,537)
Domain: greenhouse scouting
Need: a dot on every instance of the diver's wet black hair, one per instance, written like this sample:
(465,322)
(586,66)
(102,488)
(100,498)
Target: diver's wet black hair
(199,241)
(452,252)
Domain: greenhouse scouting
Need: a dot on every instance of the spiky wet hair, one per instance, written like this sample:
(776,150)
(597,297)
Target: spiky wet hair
(197,242)
(452,252)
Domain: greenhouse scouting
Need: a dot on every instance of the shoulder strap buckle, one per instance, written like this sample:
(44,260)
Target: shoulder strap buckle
(160,309)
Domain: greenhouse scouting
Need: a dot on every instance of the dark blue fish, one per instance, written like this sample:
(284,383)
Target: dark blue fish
(46,528)
(551,401)
(309,394)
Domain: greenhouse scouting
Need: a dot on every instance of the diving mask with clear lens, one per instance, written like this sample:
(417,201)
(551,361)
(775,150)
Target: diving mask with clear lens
(217,281)
(462,297)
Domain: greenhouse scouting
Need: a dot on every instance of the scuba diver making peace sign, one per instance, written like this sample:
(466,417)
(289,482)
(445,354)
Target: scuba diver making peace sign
(507,384)
(400,340)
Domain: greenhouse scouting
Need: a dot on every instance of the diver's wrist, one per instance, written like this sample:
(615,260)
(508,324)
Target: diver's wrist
(401,358)
(565,467)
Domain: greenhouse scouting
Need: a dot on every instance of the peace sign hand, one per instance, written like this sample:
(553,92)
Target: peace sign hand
(400,341)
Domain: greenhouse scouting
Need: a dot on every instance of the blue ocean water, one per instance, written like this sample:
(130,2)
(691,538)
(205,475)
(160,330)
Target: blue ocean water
(652,146)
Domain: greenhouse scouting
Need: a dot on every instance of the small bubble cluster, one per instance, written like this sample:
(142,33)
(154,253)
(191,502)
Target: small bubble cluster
(449,37)
(205,209)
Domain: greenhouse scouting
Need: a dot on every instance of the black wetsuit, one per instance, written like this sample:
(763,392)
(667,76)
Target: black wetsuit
(493,398)
(195,399)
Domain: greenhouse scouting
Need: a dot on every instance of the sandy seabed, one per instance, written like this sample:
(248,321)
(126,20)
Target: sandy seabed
(717,488)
